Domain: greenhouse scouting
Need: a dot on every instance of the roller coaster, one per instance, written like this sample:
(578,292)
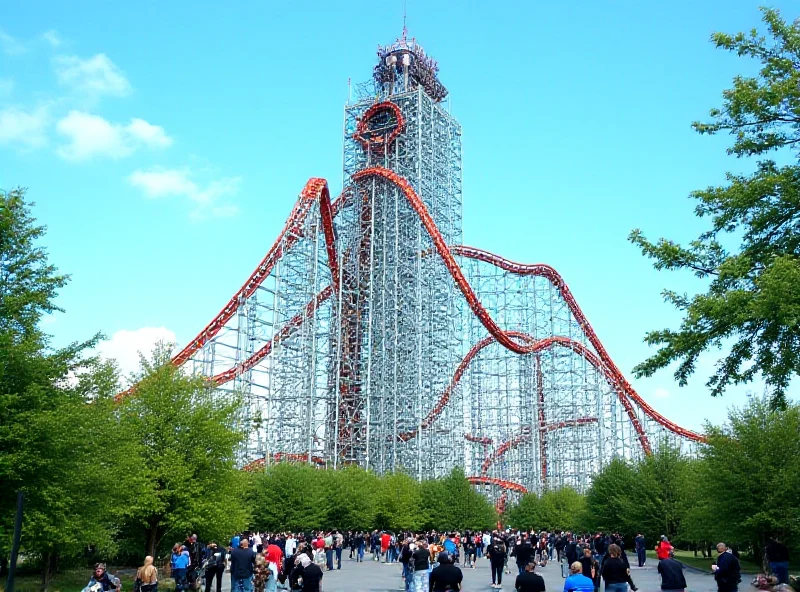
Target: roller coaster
(371,335)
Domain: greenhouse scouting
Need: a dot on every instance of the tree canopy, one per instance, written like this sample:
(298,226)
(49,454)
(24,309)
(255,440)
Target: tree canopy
(752,304)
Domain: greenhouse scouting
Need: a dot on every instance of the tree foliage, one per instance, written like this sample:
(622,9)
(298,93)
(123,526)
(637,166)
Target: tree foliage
(355,499)
(752,299)
(650,496)
(749,477)
(182,439)
(559,509)
(58,450)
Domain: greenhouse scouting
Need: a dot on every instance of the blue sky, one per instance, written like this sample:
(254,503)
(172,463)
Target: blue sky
(164,144)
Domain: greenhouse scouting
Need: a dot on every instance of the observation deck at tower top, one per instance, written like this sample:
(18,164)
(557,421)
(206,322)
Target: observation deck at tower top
(404,66)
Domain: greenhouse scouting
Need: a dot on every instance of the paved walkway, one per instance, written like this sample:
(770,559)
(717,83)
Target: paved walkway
(372,576)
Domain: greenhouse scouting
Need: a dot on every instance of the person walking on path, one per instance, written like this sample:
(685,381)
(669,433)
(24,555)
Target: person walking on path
(447,577)
(778,558)
(616,572)
(577,582)
(641,549)
(663,548)
(496,553)
(309,572)
(179,562)
(420,560)
(147,575)
(529,580)
(727,571)
(243,562)
(672,577)
(215,566)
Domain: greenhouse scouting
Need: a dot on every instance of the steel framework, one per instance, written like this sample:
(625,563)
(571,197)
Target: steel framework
(370,335)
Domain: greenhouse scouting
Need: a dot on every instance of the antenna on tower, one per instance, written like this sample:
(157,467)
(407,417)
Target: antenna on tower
(405,30)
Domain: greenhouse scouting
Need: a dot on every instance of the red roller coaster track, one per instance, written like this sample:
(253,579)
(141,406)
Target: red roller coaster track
(317,190)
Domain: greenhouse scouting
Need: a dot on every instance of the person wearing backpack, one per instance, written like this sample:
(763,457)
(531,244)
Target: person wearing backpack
(215,565)
(497,558)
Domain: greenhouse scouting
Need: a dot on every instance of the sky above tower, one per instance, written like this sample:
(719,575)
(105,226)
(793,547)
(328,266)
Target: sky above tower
(165,143)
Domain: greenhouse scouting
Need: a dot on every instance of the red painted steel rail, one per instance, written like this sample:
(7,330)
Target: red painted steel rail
(317,190)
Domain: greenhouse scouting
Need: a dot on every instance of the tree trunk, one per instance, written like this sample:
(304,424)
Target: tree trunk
(152,538)
(50,565)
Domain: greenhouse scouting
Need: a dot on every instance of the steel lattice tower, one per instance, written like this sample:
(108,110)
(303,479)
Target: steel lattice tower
(370,335)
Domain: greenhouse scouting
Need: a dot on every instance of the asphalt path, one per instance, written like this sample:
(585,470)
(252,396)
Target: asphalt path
(372,576)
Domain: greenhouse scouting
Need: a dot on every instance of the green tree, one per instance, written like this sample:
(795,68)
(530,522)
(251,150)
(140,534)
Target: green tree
(350,498)
(560,509)
(398,503)
(289,496)
(606,500)
(53,446)
(183,438)
(750,476)
(752,300)
(452,503)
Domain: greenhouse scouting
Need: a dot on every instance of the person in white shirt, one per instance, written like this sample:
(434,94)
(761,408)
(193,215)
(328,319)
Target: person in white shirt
(291,545)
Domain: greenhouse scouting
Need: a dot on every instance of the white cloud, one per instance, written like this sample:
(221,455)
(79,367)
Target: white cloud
(95,76)
(148,134)
(24,128)
(52,37)
(91,135)
(125,346)
(11,46)
(661,393)
(160,182)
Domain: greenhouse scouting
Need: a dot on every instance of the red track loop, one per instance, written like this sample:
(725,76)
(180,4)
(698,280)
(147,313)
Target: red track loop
(477,440)
(283,457)
(379,143)
(316,189)
(509,485)
(525,435)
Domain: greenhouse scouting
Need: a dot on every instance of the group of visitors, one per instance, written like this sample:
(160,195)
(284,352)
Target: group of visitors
(264,562)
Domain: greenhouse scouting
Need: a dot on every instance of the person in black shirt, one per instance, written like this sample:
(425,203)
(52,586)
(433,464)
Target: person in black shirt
(420,560)
(523,551)
(309,572)
(496,552)
(446,577)
(727,571)
(672,577)
(529,581)
(590,568)
(778,559)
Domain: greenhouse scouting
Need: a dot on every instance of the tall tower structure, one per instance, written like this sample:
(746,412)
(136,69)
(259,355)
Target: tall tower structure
(400,330)
(370,335)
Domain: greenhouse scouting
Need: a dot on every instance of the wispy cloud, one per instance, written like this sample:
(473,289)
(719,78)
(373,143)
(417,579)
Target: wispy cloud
(52,38)
(24,128)
(93,136)
(94,77)
(661,393)
(208,199)
(11,46)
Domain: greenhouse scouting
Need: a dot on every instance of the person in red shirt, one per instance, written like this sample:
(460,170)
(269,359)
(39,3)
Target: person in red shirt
(386,539)
(663,548)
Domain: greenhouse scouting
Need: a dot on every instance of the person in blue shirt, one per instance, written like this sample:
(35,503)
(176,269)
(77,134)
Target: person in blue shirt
(180,564)
(450,546)
(577,582)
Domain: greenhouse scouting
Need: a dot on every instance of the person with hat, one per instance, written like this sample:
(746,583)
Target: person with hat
(447,576)
(101,578)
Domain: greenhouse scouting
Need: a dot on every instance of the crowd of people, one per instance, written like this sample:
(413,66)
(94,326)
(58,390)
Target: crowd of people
(431,561)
